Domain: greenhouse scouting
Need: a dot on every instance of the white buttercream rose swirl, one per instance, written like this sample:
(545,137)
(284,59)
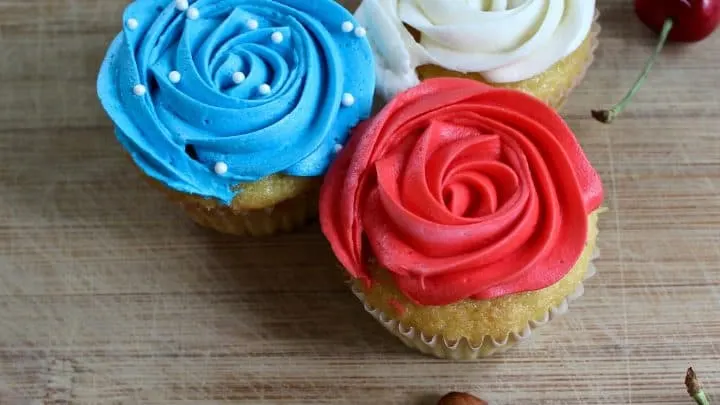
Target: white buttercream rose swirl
(504,40)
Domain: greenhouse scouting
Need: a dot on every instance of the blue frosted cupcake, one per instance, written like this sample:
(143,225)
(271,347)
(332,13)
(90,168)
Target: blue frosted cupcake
(237,107)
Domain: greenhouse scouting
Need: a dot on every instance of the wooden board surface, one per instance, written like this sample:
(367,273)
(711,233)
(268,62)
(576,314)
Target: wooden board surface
(109,295)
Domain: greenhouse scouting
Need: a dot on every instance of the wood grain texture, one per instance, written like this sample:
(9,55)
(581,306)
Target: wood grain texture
(108,295)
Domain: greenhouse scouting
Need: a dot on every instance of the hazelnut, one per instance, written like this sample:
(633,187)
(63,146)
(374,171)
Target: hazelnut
(460,398)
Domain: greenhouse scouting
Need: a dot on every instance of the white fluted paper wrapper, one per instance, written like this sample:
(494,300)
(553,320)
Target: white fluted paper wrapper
(462,349)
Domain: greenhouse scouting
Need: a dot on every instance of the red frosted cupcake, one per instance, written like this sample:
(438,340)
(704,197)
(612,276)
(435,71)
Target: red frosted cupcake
(465,214)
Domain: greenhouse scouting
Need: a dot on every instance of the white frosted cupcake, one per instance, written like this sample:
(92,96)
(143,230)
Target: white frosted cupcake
(540,47)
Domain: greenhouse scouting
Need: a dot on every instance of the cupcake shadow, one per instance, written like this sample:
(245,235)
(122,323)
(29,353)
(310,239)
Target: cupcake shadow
(76,175)
(288,289)
(90,184)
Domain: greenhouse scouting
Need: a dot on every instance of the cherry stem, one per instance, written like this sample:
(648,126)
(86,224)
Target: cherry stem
(607,116)
(700,398)
(694,388)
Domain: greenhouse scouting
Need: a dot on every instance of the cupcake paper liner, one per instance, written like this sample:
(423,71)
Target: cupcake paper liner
(462,349)
(285,216)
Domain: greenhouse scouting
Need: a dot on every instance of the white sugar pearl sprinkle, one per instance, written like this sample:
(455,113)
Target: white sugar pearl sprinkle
(252,24)
(238,77)
(360,32)
(139,90)
(348,100)
(221,168)
(132,23)
(347,26)
(174,76)
(264,89)
(338,147)
(193,13)
(181,5)
(277,37)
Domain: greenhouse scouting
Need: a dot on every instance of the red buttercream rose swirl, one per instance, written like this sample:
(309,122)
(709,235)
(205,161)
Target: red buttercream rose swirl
(461,190)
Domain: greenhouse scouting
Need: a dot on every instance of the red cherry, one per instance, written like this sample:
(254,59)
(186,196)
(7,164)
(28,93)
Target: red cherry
(693,20)
(674,20)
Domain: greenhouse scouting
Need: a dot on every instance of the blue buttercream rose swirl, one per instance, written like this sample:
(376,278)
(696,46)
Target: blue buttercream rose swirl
(208,94)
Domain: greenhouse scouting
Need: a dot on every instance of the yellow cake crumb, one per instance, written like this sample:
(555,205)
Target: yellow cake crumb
(264,193)
(272,190)
(551,86)
(267,206)
(476,320)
